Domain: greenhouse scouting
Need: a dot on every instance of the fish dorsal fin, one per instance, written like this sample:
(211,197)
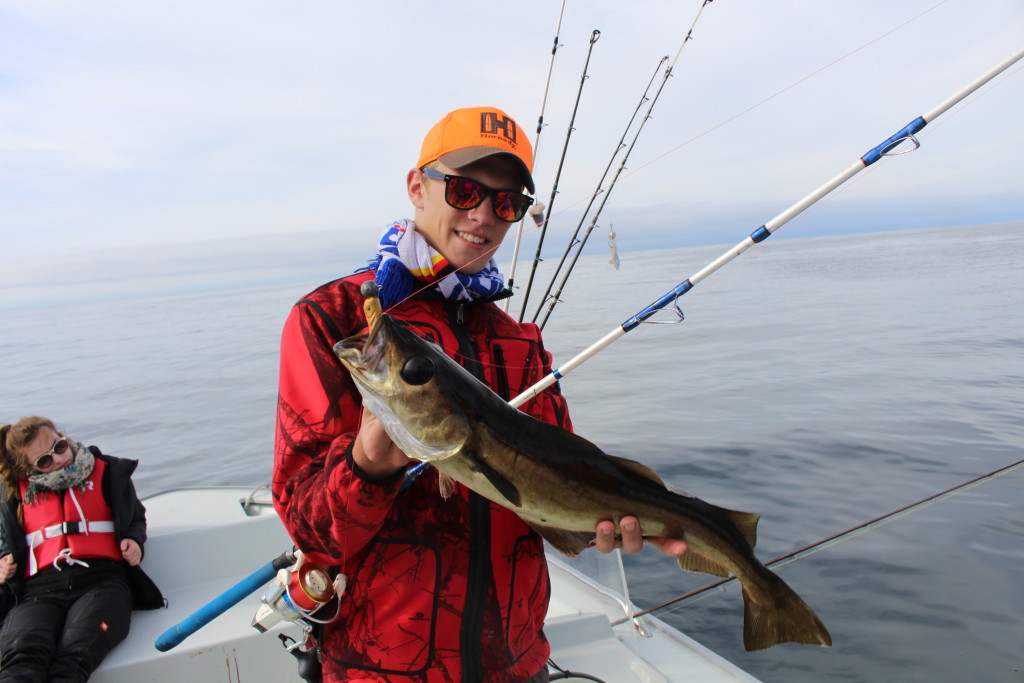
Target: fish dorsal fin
(693,561)
(636,468)
(570,543)
(746,522)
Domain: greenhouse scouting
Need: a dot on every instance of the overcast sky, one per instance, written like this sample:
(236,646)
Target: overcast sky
(145,123)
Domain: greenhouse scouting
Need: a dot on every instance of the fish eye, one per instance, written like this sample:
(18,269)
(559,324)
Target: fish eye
(418,370)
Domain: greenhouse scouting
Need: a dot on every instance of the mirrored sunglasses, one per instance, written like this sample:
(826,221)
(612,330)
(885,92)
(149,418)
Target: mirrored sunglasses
(465,193)
(60,447)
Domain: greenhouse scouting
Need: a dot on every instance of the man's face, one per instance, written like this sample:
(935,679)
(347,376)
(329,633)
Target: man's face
(468,239)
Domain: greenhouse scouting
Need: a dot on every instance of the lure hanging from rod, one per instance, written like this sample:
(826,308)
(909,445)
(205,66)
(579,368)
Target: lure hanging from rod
(621,145)
(614,260)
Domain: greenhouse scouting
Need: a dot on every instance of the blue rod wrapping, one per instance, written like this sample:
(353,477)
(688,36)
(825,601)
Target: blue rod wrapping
(661,303)
(876,153)
(760,235)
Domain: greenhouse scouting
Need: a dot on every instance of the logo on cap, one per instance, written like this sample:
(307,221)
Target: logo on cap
(493,124)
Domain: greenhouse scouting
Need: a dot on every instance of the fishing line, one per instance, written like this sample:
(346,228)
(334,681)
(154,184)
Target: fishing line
(836,539)
(594,36)
(788,87)
(732,118)
(536,147)
(887,147)
(553,300)
(995,83)
(772,97)
(542,224)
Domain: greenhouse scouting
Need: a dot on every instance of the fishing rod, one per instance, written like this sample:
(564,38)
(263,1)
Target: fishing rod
(536,147)
(556,297)
(886,148)
(561,162)
(173,636)
(621,145)
(835,539)
(547,83)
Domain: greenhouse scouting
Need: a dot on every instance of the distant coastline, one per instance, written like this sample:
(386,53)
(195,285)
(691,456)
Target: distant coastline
(305,259)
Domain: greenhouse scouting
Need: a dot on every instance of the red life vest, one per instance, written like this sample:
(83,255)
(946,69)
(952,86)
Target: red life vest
(74,524)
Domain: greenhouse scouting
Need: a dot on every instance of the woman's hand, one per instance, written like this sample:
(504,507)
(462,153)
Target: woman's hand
(374,451)
(633,538)
(131,552)
(7,568)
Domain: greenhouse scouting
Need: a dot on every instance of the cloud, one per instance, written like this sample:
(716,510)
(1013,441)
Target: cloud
(184,121)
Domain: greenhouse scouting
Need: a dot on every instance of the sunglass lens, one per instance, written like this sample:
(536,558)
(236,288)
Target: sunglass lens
(464,193)
(60,447)
(510,206)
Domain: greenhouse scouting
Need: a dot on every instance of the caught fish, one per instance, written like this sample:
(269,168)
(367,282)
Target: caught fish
(559,483)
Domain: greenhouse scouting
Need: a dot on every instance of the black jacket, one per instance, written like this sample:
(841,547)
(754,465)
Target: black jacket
(129,522)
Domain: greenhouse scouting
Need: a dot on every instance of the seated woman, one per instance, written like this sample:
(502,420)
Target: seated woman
(72,531)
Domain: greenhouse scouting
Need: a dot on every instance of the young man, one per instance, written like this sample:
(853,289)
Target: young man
(438,589)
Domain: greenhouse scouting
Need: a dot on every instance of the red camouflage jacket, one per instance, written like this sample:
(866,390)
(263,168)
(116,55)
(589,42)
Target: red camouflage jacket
(438,590)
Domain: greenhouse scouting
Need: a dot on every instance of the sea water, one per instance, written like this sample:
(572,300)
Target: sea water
(821,383)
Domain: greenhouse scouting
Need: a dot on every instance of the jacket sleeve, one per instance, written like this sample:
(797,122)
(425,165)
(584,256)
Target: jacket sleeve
(119,490)
(329,508)
(8,527)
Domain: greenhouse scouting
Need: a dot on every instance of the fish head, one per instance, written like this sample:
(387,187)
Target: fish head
(402,378)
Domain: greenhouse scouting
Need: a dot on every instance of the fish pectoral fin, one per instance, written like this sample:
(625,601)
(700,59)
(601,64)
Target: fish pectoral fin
(569,543)
(505,487)
(637,468)
(446,485)
(693,561)
(746,522)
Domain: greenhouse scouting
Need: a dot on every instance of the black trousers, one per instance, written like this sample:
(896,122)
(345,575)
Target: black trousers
(64,626)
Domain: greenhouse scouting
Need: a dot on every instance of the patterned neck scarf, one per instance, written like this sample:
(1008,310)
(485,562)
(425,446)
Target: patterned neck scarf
(405,257)
(59,480)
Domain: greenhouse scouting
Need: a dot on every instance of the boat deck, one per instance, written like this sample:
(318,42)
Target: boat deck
(202,541)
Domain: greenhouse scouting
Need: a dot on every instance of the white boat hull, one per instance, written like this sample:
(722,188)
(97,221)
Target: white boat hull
(202,541)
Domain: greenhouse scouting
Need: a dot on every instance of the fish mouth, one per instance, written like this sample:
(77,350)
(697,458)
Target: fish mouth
(363,355)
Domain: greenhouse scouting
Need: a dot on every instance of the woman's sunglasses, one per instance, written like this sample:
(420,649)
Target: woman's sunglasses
(465,193)
(60,447)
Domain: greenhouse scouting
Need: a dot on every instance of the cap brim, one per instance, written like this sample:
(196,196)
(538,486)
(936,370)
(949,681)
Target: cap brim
(467,155)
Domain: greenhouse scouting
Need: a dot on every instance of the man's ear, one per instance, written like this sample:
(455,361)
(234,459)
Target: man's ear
(416,188)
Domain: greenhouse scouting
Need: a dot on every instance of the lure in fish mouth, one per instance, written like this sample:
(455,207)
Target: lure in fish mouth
(559,483)
(394,383)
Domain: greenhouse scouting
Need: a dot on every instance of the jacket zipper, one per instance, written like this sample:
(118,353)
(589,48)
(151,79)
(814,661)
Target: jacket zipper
(479,571)
(501,373)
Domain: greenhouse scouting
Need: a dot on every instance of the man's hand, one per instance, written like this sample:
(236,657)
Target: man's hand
(633,539)
(374,451)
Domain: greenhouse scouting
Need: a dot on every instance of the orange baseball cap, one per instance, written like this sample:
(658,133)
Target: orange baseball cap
(467,135)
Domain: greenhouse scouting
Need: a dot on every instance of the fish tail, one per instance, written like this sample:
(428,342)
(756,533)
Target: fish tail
(781,617)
